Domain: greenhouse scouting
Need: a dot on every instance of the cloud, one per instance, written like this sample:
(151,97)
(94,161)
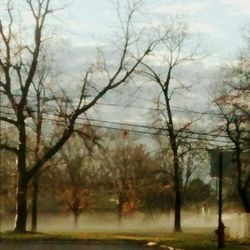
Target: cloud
(205,28)
(239,7)
(187,8)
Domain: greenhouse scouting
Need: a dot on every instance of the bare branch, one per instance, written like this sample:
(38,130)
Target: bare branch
(112,84)
(8,120)
(152,74)
(8,148)
(83,90)
(40,19)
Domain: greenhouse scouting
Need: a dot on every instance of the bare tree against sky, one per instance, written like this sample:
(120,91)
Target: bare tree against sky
(232,100)
(19,64)
(173,50)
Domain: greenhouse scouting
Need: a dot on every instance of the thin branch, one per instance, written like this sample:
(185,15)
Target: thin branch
(8,148)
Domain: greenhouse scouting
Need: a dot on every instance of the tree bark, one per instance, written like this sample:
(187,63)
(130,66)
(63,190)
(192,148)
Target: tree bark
(244,199)
(34,204)
(21,204)
(21,201)
(120,205)
(177,190)
(242,191)
(76,218)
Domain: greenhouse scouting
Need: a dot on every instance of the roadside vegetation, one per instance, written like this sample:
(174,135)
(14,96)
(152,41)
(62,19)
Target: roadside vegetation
(196,239)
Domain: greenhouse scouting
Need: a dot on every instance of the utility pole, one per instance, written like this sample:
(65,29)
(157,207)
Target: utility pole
(219,160)
(221,227)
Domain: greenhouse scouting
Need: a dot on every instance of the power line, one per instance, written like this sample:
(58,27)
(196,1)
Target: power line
(159,132)
(174,109)
(138,131)
(127,124)
(151,127)
(148,127)
(140,126)
(156,133)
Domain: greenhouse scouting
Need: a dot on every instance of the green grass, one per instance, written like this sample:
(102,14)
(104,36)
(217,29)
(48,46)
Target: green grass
(192,240)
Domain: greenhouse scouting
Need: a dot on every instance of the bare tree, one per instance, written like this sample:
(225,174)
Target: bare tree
(77,158)
(19,65)
(192,155)
(233,103)
(173,51)
(128,168)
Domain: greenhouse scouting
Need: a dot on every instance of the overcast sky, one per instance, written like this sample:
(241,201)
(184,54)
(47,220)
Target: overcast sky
(219,23)
(85,24)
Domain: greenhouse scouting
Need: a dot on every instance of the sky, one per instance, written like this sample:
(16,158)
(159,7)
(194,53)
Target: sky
(83,25)
(219,23)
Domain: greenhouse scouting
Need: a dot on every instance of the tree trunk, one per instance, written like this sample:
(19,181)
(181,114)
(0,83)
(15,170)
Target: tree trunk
(120,204)
(21,204)
(76,218)
(34,204)
(177,190)
(177,218)
(174,147)
(242,192)
(21,200)
(244,199)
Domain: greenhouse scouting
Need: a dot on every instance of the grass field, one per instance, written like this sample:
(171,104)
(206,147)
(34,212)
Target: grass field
(194,239)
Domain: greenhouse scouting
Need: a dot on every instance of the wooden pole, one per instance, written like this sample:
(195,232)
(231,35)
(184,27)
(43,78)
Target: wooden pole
(220,230)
